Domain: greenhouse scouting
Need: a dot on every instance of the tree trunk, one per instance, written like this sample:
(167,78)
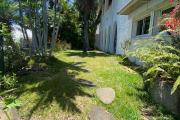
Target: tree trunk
(55,28)
(86,33)
(25,35)
(45,25)
(1,55)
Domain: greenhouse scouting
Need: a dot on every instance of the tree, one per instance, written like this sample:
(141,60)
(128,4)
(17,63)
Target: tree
(7,10)
(37,14)
(86,8)
(1,51)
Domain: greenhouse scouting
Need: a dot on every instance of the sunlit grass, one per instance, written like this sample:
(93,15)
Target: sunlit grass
(59,97)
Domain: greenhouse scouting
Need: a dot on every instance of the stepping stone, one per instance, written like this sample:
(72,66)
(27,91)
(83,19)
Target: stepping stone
(106,95)
(3,115)
(99,113)
(15,114)
(86,82)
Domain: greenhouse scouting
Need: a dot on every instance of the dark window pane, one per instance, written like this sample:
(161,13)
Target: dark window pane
(143,26)
(167,11)
(139,27)
(146,25)
(110,2)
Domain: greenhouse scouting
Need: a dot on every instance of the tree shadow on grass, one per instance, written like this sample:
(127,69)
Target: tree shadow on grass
(88,54)
(60,88)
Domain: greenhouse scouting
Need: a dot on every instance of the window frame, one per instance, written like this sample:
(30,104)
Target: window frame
(143,26)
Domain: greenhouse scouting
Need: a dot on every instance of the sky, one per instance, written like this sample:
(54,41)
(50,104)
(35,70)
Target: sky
(17,34)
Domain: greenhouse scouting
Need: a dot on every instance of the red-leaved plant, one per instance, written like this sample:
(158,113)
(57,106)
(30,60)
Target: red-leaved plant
(173,21)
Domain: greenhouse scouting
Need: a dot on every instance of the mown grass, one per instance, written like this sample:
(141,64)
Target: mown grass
(54,95)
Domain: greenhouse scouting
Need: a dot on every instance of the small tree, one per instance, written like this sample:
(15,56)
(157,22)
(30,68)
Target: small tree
(37,16)
(87,8)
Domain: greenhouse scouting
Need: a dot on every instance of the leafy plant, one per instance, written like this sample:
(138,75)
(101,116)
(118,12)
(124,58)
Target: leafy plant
(9,81)
(31,62)
(13,57)
(159,60)
(176,84)
(160,55)
(9,103)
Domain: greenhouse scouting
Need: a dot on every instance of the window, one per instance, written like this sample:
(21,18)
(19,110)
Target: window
(167,11)
(110,2)
(143,26)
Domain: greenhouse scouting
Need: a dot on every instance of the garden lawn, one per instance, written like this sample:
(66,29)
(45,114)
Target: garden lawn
(54,94)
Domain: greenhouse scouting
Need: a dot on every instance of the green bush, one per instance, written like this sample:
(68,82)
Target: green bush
(62,45)
(31,62)
(158,57)
(8,81)
(13,56)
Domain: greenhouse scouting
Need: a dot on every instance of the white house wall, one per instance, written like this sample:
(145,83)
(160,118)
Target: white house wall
(152,8)
(109,20)
(126,24)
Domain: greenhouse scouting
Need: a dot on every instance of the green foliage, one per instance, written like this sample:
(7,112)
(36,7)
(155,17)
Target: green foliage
(8,81)
(159,58)
(11,102)
(43,65)
(176,84)
(126,45)
(37,63)
(13,56)
(63,45)
(70,28)
(31,62)
(7,10)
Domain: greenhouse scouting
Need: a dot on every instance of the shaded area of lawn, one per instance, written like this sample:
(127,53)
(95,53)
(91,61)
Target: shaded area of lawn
(88,54)
(54,93)
(55,85)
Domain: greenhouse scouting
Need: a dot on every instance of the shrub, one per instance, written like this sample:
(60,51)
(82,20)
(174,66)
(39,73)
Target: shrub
(13,56)
(31,62)
(8,103)
(158,58)
(62,45)
(8,81)
(160,55)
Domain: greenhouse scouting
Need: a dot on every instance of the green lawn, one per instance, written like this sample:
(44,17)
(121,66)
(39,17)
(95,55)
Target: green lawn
(54,95)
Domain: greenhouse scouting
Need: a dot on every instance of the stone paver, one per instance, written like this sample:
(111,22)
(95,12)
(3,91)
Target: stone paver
(3,115)
(99,113)
(15,114)
(12,113)
(106,95)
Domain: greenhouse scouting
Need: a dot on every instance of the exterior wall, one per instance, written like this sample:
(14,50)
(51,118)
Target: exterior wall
(152,8)
(110,20)
(126,24)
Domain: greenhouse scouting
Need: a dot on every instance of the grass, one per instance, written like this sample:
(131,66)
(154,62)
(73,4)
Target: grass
(54,95)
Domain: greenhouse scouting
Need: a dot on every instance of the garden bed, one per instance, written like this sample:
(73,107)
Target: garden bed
(161,94)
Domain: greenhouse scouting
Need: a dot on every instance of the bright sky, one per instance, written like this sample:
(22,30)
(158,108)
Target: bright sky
(17,34)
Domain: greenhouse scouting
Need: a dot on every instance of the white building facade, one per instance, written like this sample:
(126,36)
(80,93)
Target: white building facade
(129,20)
